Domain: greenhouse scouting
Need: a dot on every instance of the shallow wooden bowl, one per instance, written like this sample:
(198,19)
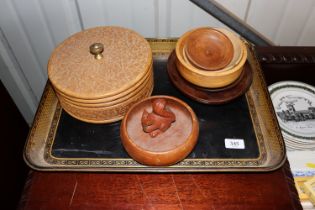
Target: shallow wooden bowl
(238,50)
(209,49)
(167,148)
(208,79)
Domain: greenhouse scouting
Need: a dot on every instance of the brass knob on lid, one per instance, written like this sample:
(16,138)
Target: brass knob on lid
(96,49)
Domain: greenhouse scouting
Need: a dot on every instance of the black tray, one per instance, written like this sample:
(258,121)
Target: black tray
(71,144)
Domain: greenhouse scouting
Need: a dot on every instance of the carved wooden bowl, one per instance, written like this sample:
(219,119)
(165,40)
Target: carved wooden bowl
(168,147)
(210,79)
(238,50)
(209,49)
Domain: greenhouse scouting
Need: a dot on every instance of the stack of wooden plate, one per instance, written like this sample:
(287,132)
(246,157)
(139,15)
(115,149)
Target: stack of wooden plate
(99,73)
(210,57)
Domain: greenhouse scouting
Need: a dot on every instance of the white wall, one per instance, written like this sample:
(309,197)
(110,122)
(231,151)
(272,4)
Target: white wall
(30,30)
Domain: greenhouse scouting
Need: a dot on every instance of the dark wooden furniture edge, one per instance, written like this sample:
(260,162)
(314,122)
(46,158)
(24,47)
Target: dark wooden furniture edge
(287,63)
(286,55)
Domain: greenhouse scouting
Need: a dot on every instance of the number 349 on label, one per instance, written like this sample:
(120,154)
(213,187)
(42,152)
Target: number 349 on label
(234,143)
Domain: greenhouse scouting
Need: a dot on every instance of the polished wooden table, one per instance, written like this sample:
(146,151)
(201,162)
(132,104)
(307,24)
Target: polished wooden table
(272,190)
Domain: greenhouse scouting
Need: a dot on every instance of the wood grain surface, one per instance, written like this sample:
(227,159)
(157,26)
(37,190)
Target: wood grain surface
(209,49)
(157,191)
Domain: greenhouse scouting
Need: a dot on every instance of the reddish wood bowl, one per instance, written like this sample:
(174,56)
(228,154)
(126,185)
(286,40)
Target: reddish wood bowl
(209,49)
(167,148)
(209,79)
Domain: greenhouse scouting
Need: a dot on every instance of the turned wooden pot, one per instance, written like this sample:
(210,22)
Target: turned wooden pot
(99,73)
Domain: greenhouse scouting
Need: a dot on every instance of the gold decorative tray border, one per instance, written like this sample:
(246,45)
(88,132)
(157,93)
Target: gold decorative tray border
(37,152)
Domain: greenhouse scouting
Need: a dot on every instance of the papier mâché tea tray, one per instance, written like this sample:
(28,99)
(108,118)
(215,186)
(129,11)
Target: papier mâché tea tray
(242,135)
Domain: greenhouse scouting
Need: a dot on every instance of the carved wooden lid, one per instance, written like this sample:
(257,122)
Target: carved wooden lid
(99,62)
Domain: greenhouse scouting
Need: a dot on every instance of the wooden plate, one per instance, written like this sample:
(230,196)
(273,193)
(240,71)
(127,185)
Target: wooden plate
(209,49)
(206,95)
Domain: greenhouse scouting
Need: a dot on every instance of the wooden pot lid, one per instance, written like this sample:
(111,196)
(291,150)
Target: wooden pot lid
(209,49)
(82,69)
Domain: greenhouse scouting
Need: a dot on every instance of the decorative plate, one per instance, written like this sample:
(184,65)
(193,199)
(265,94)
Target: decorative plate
(294,104)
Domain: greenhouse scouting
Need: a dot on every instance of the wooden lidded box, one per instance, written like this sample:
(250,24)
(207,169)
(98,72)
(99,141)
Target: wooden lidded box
(99,73)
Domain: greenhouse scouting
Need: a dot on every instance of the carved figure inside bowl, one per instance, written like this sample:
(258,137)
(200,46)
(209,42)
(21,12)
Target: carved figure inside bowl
(159,120)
